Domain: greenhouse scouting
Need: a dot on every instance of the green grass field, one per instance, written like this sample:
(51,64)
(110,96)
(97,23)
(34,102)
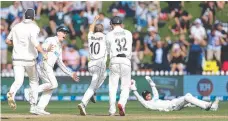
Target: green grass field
(67,111)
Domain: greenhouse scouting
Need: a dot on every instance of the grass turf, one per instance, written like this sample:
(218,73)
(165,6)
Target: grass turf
(99,112)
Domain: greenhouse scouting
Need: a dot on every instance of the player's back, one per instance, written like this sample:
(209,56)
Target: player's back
(120,44)
(22,33)
(97,45)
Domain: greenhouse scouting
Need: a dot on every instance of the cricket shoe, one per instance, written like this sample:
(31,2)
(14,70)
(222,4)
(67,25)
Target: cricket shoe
(93,98)
(209,106)
(121,110)
(11,101)
(39,111)
(215,104)
(27,94)
(111,114)
(81,107)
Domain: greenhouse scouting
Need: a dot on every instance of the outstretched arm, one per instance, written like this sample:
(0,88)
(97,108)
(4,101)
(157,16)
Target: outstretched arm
(140,99)
(92,26)
(65,70)
(153,87)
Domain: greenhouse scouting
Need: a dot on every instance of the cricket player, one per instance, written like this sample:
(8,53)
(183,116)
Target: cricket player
(119,42)
(45,70)
(154,103)
(25,45)
(97,63)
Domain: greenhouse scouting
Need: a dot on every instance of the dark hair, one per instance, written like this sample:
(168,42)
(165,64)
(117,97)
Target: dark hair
(101,13)
(99,28)
(145,93)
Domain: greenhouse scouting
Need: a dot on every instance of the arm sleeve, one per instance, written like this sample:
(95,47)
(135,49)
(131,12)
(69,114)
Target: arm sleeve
(34,36)
(155,92)
(140,99)
(62,66)
(10,36)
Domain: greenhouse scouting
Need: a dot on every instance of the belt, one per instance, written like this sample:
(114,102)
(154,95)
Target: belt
(121,55)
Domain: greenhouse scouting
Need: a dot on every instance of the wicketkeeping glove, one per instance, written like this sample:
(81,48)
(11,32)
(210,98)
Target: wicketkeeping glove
(150,81)
(133,86)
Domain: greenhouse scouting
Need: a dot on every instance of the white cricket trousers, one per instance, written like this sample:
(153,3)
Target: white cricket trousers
(97,68)
(179,103)
(19,72)
(47,75)
(123,72)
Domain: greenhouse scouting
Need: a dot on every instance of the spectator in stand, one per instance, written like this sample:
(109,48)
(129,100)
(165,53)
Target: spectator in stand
(220,31)
(141,15)
(174,7)
(4,33)
(127,8)
(220,4)
(105,22)
(77,6)
(96,5)
(160,53)
(137,50)
(195,58)
(58,15)
(153,12)
(15,13)
(182,20)
(84,55)
(197,31)
(224,53)
(208,14)
(72,58)
(214,46)
(77,26)
(177,58)
(91,13)
(42,35)
(33,4)
(151,39)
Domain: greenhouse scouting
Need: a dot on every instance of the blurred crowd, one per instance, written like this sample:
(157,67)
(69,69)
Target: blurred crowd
(201,43)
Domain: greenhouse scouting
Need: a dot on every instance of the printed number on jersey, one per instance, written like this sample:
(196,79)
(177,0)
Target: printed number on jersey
(95,48)
(121,44)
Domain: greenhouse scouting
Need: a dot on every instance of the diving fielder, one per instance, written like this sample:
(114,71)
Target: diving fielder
(120,49)
(45,70)
(169,105)
(97,63)
(25,45)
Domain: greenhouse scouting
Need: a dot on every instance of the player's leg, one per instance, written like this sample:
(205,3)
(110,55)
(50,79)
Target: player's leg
(18,81)
(34,83)
(113,86)
(90,91)
(125,87)
(200,103)
(46,95)
(179,103)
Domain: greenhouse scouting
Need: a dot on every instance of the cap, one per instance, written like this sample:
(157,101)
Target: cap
(116,20)
(62,29)
(29,13)
(198,21)
(152,29)
(144,93)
